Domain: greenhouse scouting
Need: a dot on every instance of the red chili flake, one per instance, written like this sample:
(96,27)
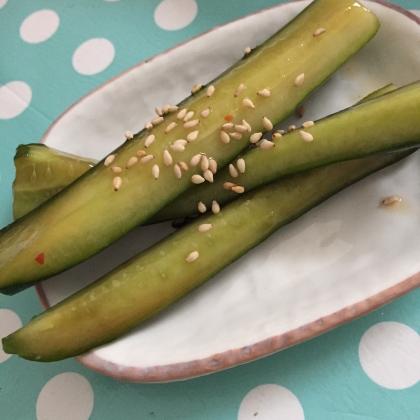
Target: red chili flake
(40,258)
(229,117)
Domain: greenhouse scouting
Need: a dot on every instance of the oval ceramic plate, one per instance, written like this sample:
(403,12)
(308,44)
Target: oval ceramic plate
(339,261)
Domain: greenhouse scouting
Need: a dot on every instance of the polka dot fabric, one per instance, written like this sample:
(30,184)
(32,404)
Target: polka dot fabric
(54,53)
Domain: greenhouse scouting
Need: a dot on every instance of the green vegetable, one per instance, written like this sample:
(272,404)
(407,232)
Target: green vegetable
(42,172)
(157,277)
(89,215)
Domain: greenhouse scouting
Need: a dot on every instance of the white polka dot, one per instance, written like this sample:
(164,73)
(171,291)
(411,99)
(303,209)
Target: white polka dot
(175,14)
(93,56)
(67,396)
(14,99)
(2,3)
(270,402)
(9,322)
(389,353)
(39,26)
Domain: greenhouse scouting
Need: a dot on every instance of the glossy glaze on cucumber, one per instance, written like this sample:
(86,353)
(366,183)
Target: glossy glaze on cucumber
(90,214)
(42,172)
(164,273)
(380,125)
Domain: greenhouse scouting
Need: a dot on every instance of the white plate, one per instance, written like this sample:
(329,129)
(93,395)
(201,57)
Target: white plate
(339,261)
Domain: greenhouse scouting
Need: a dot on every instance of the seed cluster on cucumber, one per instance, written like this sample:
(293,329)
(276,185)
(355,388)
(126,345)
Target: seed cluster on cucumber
(153,167)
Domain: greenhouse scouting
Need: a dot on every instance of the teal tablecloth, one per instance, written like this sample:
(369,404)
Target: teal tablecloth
(45,61)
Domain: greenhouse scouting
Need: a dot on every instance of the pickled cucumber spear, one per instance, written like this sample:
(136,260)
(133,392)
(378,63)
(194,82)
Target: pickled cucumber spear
(154,167)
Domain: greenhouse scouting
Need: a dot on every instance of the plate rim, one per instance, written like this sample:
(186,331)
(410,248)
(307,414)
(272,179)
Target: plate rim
(237,356)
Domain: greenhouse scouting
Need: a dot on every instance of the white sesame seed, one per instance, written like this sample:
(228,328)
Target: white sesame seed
(238,189)
(306,136)
(233,171)
(196,159)
(215,208)
(148,126)
(212,165)
(196,88)
(146,159)
(167,158)
(109,159)
(155,171)
(181,114)
(210,91)
(205,112)
(319,31)
(170,127)
(241,128)
(204,227)
(141,153)
(280,132)
(247,103)
(201,207)
(299,80)
(227,126)
(149,140)
(389,201)
(229,185)
(276,136)
(177,148)
(291,128)
(239,90)
(129,135)
(182,142)
(255,137)
(240,163)
(265,93)
(192,257)
(267,124)
(204,163)
(116,170)
(177,171)
(157,120)
(191,124)
(165,109)
(192,136)
(247,50)
(248,127)
(132,161)
(173,108)
(188,116)
(208,175)
(197,179)
(266,145)
(224,137)
(235,135)
(183,166)
(307,124)
(158,111)
(116,183)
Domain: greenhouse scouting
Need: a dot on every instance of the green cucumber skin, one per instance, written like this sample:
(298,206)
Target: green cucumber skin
(88,216)
(42,172)
(391,120)
(159,276)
